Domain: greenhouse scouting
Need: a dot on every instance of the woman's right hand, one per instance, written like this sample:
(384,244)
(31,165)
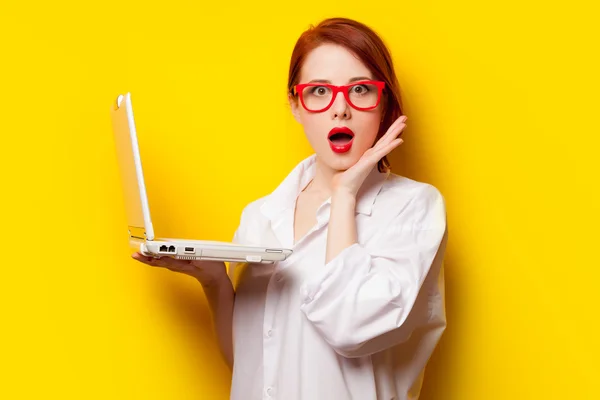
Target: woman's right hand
(207,272)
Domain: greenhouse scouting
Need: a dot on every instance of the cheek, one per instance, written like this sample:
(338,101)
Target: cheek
(369,126)
(313,125)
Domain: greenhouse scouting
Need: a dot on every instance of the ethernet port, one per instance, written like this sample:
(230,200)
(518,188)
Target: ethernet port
(163,248)
(171,249)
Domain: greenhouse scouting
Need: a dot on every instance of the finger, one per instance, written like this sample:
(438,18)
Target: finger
(154,262)
(175,265)
(394,130)
(141,258)
(385,150)
(393,144)
(385,141)
(164,262)
(149,260)
(396,127)
(401,120)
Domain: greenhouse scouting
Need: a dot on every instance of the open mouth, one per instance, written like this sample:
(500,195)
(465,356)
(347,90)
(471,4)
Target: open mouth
(340,139)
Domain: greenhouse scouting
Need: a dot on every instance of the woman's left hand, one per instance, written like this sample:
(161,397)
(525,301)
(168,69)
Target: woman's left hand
(351,180)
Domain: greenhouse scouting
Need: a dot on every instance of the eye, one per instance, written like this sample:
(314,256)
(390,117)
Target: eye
(320,90)
(359,89)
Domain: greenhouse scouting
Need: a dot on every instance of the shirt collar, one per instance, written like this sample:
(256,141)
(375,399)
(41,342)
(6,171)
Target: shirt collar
(284,196)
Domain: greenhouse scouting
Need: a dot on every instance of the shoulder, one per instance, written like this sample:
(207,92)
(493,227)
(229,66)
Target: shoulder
(402,186)
(251,220)
(252,210)
(416,201)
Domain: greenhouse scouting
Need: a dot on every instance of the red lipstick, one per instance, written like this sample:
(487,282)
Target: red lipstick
(340,139)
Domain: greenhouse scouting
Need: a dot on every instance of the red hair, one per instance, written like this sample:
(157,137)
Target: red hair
(365,44)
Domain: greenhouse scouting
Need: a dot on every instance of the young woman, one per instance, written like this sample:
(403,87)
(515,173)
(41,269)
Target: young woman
(356,311)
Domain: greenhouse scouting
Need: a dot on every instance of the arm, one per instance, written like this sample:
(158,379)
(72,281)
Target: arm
(220,296)
(342,224)
(218,290)
(361,300)
(221,299)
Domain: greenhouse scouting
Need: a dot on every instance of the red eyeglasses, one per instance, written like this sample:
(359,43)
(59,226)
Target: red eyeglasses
(318,97)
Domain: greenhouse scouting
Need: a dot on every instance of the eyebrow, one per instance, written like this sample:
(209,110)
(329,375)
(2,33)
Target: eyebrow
(358,78)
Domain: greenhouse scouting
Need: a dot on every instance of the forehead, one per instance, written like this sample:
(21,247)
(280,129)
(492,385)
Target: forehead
(334,63)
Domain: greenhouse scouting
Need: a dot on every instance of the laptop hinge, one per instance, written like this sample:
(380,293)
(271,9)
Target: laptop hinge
(137,232)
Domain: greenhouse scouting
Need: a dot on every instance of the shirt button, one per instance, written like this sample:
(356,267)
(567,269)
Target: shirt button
(269,333)
(269,391)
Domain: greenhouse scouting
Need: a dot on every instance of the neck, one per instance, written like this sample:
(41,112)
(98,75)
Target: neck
(321,183)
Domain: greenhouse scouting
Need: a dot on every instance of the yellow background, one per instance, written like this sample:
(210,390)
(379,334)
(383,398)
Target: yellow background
(502,100)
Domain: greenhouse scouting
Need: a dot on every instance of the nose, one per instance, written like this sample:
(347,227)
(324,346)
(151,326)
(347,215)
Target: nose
(340,107)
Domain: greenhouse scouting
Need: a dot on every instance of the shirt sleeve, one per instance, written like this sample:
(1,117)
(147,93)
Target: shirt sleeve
(361,300)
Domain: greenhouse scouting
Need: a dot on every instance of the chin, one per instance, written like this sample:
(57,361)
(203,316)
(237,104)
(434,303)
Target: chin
(340,162)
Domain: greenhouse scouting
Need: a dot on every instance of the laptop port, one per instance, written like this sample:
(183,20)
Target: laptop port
(163,249)
(189,250)
(171,249)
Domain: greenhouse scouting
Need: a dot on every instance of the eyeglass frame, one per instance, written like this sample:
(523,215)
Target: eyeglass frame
(336,89)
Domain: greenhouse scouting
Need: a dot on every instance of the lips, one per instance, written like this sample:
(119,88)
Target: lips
(340,139)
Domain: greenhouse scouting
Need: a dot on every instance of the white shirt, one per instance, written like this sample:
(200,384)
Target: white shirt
(362,326)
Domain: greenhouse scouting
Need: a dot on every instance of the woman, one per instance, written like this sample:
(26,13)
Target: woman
(356,311)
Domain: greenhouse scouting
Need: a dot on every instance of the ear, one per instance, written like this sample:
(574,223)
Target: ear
(295,107)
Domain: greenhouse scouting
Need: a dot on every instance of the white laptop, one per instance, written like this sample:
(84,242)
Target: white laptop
(141,232)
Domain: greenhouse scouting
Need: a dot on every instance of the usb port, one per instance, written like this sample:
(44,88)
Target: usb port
(189,250)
